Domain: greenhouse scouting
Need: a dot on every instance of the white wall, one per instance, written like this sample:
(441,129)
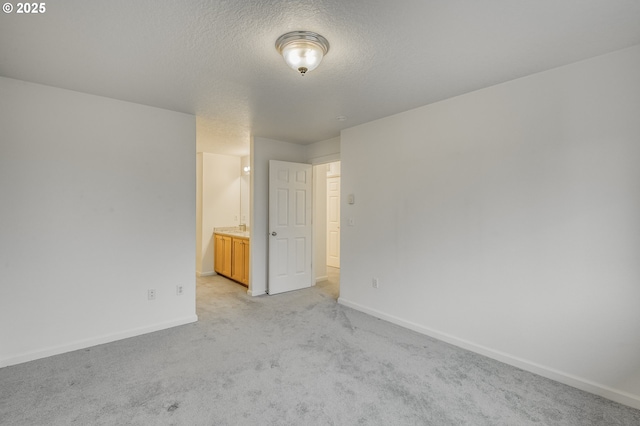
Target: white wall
(200,237)
(97,206)
(245,191)
(324,151)
(219,201)
(506,221)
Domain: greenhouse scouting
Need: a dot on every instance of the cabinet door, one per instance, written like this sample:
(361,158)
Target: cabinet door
(226,266)
(246,262)
(218,257)
(222,257)
(237,266)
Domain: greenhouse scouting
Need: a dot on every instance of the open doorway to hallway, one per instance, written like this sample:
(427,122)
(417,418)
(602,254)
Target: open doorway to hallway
(327,223)
(333,215)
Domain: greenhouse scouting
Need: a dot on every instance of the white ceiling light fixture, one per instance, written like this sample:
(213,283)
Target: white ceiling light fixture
(302,50)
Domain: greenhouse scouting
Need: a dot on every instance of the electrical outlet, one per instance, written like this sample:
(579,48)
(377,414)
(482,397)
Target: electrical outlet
(179,290)
(151,294)
(374,283)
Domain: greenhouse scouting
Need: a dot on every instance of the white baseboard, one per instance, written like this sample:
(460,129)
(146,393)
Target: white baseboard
(322,278)
(256,293)
(616,395)
(85,343)
(205,274)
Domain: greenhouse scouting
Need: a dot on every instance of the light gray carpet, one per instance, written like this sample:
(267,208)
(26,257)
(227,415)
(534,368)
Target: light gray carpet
(292,359)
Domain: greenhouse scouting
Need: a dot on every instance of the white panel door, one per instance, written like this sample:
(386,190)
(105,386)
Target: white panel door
(333,221)
(290,227)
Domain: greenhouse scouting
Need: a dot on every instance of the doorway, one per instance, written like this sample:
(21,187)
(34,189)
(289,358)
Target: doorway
(327,224)
(333,215)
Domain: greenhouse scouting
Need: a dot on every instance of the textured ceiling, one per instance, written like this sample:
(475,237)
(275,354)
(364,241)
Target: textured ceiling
(216,59)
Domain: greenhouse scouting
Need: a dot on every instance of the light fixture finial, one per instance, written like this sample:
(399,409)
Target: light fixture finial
(302,50)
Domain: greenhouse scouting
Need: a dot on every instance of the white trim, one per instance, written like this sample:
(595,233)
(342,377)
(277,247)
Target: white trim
(256,293)
(322,278)
(616,395)
(93,341)
(205,274)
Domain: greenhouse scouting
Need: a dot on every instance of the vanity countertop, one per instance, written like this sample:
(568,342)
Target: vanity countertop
(233,231)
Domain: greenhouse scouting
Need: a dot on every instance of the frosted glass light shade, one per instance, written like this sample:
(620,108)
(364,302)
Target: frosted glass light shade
(300,55)
(302,50)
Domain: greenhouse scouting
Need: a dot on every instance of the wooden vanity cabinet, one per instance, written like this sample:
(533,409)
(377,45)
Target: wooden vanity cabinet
(232,257)
(240,262)
(223,251)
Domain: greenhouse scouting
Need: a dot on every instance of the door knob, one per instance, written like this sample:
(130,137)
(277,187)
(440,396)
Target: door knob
(274,233)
